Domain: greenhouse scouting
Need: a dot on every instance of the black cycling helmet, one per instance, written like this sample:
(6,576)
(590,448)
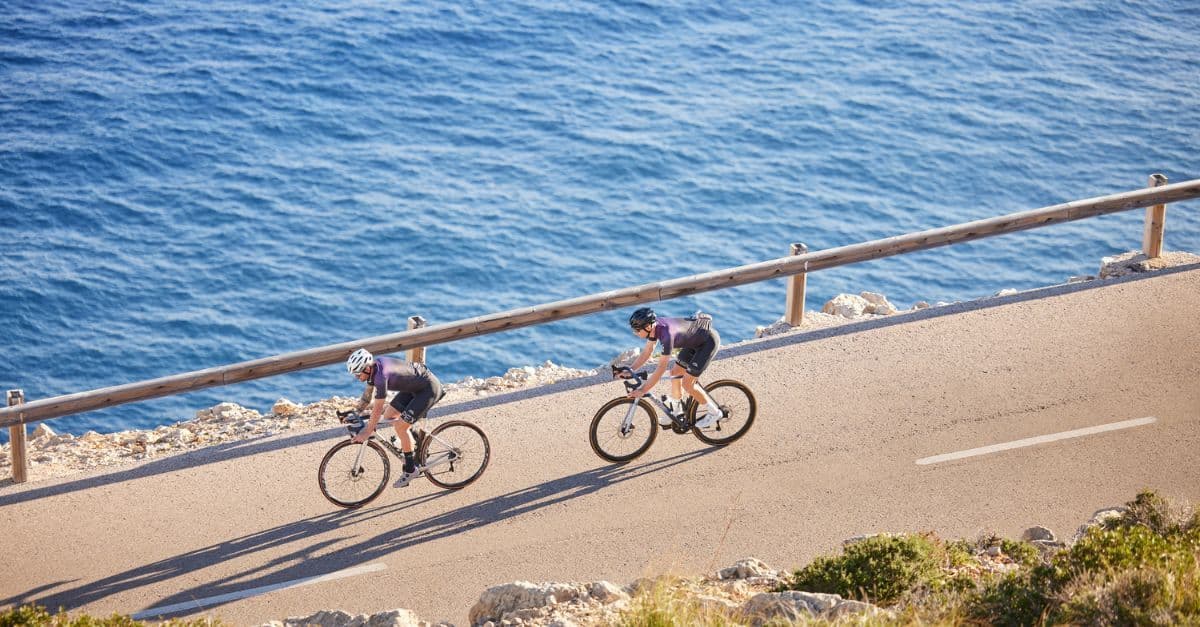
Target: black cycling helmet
(642,318)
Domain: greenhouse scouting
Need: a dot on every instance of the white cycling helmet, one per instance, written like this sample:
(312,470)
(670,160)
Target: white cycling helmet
(359,361)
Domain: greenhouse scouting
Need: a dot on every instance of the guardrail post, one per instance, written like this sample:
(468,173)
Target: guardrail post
(795,292)
(1156,221)
(16,438)
(416,354)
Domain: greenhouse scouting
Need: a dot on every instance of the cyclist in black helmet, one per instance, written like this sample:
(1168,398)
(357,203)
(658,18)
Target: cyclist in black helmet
(696,341)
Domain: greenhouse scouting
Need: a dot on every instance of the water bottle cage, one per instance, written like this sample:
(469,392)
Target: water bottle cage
(701,321)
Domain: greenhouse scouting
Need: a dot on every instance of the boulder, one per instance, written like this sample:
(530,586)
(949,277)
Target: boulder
(1037,533)
(846,306)
(1098,519)
(284,407)
(498,602)
(790,606)
(878,304)
(848,608)
(747,568)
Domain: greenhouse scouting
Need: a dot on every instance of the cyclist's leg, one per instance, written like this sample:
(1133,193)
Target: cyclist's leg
(686,366)
(395,411)
(416,406)
(697,363)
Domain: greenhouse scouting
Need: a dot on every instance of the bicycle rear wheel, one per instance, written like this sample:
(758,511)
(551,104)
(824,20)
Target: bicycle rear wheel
(615,441)
(737,404)
(348,485)
(454,454)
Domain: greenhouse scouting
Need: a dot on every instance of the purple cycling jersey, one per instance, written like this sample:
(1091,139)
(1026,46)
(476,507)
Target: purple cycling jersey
(673,333)
(398,375)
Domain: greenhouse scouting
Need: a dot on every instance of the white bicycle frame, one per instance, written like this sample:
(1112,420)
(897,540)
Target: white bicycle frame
(443,457)
(627,424)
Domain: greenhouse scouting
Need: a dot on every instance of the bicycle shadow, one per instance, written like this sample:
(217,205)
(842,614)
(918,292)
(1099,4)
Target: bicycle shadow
(309,560)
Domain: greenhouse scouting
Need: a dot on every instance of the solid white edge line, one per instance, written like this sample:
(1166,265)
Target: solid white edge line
(1041,439)
(233,596)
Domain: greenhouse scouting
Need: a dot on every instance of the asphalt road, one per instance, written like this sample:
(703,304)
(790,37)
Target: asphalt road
(844,417)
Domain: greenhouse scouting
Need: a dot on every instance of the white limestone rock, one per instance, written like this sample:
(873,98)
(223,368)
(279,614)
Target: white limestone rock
(846,306)
(878,304)
(792,606)
(1037,533)
(284,407)
(498,602)
(1097,520)
(747,568)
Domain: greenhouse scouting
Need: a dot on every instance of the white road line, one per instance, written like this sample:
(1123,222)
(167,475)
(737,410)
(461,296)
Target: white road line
(233,596)
(1041,439)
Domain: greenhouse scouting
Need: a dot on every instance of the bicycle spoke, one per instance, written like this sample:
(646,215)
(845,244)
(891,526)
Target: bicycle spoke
(737,407)
(455,454)
(351,474)
(617,436)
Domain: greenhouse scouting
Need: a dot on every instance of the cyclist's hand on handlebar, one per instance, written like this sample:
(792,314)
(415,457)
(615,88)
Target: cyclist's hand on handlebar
(622,372)
(362,436)
(637,392)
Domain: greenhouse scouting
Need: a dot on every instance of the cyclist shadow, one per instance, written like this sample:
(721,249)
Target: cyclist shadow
(513,504)
(309,558)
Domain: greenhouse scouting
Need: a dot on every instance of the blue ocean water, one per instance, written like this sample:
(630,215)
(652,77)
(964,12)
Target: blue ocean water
(189,184)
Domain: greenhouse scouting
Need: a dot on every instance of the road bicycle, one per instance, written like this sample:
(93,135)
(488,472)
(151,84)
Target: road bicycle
(452,456)
(623,429)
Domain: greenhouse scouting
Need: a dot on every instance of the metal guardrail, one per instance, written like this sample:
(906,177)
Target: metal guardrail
(796,265)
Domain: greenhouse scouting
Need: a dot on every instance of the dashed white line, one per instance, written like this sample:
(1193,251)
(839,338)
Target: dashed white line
(233,596)
(1041,439)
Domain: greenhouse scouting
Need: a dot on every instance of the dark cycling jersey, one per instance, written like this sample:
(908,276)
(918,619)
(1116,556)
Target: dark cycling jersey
(398,375)
(673,333)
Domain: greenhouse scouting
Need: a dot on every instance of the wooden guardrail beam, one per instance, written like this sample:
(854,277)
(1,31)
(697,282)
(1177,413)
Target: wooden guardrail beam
(474,327)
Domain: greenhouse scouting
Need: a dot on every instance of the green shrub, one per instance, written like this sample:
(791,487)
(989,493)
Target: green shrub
(1154,512)
(880,569)
(1013,599)
(1141,568)
(1023,553)
(1143,596)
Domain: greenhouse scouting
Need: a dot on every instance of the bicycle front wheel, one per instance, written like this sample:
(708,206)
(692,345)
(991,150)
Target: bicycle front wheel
(350,480)
(619,441)
(455,454)
(737,405)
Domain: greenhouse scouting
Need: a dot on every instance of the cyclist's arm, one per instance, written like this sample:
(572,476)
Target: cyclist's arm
(658,373)
(376,413)
(365,399)
(644,356)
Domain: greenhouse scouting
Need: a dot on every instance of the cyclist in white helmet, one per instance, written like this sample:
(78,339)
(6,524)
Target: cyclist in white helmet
(416,388)
(697,343)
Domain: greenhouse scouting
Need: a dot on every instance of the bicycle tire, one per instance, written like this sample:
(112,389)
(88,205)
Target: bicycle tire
(611,432)
(336,477)
(459,436)
(736,402)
